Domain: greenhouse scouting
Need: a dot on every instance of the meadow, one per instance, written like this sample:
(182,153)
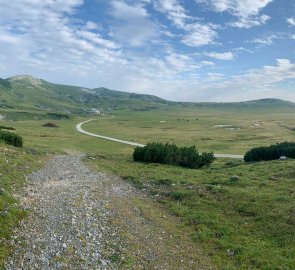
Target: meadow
(242,215)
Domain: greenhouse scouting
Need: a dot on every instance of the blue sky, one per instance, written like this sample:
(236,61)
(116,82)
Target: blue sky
(188,50)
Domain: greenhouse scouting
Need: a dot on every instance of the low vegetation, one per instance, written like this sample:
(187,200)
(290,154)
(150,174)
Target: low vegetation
(171,154)
(242,214)
(15,164)
(50,125)
(7,128)
(11,138)
(272,152)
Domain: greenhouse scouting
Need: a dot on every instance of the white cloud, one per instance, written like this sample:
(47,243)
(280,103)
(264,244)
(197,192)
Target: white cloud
(221,56)
(214,76)
(179,61)
(97,39)
(266,40)
(132,25)
(207,63)
(242,49)
(248,22)
(175,12)
(92,26)
(199,35)
(240,8)
(256,83)
(247,11)
(196,34)
(291,21)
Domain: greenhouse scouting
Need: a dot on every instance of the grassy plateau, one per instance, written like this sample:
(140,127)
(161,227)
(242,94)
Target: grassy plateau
(241,214)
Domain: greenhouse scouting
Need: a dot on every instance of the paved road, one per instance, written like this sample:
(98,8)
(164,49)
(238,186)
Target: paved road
(79,128)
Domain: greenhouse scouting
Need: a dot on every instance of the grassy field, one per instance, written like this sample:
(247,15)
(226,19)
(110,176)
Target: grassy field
(221,131)
(243,215)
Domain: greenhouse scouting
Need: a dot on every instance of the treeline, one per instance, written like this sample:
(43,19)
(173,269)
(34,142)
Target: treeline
(11,138)
(171,154)
(272,152)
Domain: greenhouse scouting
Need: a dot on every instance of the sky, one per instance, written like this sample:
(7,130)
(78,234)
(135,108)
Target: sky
(182,50)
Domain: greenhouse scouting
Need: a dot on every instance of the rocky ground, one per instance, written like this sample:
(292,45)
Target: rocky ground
(82,219)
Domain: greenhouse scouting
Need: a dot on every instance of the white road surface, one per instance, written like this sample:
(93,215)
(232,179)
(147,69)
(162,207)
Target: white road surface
(79,129)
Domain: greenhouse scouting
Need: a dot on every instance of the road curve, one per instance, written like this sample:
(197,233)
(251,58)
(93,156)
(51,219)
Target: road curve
(79,129)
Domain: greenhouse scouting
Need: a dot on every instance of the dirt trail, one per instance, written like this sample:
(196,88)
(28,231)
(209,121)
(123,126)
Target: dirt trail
(81,219)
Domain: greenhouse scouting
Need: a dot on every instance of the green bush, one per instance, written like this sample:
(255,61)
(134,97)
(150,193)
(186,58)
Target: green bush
(7,128)
(271,152)
(171,154)
(11,138)
(179,195)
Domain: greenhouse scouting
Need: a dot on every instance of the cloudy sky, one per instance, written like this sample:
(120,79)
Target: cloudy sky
(189,50)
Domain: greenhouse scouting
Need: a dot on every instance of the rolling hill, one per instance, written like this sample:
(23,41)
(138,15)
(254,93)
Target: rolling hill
(28,96)
(29,93)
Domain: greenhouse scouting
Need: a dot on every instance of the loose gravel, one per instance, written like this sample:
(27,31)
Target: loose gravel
(67,226)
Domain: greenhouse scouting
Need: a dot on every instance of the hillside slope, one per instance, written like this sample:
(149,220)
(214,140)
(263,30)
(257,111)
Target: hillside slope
(29,93)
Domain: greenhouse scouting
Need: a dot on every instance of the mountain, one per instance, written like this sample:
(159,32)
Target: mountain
(266,103)
(29,94)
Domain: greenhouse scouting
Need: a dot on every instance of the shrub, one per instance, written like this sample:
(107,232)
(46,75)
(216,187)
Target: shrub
(179,195)
(11,138)
(271,152)
(50,125)
(7,128)
(171,154)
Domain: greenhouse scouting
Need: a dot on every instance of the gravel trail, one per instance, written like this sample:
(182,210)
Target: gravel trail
(67,226)
(79,219)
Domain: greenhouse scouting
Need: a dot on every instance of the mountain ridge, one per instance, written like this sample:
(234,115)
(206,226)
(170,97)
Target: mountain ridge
(26,92)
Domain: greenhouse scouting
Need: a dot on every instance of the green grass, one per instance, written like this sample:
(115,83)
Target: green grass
(243,215)
(15,164)
(247,210)
(181,127)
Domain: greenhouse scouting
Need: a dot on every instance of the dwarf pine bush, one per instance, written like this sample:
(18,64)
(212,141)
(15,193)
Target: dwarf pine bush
(171,154)
(11,138)
(271,152)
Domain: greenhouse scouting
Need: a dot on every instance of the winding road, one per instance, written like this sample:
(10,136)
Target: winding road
(79,129)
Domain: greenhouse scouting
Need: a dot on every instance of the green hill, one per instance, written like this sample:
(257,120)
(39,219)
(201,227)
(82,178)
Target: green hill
(27,96)
(260,104)
(28,93)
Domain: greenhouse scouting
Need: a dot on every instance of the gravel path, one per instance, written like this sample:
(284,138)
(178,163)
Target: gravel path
(82,219)
(67,226)
(79,129)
